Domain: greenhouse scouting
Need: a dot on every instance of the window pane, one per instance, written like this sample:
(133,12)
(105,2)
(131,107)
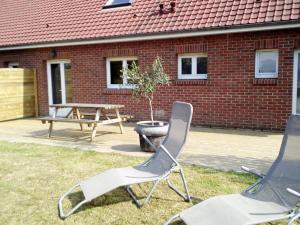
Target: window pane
(186,66)
(202,65)
(130,62)
(267,62)
(129,65)
(118,2)
(56,83)
(116,72)
(68,80)
(298,88)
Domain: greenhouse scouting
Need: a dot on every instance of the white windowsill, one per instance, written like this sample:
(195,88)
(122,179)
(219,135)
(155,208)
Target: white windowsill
(192,77)
(266,76)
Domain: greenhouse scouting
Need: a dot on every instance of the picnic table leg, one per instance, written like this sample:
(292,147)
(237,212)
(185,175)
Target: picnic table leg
(104,114)
(51,123)
(50,129)
(97,118)
(120,123)
(94,132)
(79,117)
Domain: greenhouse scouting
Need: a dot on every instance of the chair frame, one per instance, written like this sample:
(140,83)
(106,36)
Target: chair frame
(292,217)
(176,168)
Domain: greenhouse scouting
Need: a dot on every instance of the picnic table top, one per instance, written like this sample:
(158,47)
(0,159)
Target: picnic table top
(85,105)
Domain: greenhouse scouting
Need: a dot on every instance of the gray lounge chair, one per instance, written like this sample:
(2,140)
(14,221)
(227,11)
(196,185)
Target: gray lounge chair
(157,168)
(275,196)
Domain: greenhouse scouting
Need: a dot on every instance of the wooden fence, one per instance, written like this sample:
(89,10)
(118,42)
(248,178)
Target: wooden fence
(18,95)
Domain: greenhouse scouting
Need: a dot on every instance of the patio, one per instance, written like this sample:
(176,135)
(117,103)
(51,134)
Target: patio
(225,149)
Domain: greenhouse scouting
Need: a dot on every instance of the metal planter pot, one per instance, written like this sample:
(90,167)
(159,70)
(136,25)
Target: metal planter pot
(155,131)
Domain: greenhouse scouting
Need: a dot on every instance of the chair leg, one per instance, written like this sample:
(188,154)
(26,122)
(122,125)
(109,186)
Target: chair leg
(146,200)
(174,218)
(64,215)
(185,196)
(294,218)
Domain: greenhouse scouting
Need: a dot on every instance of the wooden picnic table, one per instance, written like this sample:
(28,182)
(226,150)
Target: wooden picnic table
(76,116)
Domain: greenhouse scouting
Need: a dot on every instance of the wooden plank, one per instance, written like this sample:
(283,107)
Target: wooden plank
(124,117)
(85,105)
(17,93)
(67,120)
(111,121)
(36,103)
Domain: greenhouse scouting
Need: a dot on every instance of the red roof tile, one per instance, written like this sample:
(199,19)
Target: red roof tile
(29,22)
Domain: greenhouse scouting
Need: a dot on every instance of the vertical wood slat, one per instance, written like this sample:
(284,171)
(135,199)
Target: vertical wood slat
(18,94)
(36,106)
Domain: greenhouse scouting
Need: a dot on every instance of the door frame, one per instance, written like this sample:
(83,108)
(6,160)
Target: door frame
(295,81)
(62,80)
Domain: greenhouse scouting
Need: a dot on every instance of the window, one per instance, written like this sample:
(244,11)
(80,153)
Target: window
(266,64)
(116,3)
(13,65)
(114,67)
(192,66)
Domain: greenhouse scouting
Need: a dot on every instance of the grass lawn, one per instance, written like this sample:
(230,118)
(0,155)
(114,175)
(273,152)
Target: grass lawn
(33,177)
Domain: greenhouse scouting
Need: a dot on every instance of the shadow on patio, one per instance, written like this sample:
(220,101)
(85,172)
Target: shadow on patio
(225,149)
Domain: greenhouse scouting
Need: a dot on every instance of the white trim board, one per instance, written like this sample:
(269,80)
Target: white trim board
(295,81)
(155,37)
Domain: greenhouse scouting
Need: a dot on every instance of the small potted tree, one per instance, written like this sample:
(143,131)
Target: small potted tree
(144,86)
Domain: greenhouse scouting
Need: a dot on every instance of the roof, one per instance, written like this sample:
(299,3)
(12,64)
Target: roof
(28,22)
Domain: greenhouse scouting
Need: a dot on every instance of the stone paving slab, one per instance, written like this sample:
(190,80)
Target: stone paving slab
(225,149)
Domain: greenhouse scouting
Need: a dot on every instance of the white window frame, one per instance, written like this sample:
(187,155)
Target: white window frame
(257,61)
(125,84)
(62,80)
(109,3)
(12,64)
(295,81)
(194,75)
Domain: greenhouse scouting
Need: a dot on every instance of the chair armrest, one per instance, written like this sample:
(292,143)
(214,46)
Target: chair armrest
(253,171)
(293,192)
(162,147)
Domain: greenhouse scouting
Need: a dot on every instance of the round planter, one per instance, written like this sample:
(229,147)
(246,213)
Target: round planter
(155,131)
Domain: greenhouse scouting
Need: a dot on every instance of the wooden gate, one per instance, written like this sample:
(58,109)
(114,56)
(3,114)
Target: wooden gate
(18,97)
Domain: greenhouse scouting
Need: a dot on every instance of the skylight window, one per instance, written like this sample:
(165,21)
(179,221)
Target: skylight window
(116,3)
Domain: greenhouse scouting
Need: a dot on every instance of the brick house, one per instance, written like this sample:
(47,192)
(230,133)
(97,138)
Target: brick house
(236,61)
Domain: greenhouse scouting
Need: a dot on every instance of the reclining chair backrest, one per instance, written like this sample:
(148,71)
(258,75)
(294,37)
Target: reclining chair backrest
(179,126)
(285,171)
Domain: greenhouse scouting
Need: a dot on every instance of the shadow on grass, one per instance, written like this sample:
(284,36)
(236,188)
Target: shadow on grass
(195,201)
(114,197)
(127,148)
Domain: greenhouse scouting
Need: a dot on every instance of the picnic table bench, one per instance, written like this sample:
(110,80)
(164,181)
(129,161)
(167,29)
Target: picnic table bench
(73,115)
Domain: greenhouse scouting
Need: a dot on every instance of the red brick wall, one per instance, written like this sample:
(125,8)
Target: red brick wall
(230,97)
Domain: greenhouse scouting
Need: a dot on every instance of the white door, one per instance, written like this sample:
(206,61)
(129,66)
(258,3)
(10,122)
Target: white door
(296,83)
(58,73)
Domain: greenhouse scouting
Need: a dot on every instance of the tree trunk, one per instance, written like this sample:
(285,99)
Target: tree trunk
(151,109)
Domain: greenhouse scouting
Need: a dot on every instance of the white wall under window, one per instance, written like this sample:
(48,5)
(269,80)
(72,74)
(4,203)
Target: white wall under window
(192,66)
(117,79)
(266,64)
